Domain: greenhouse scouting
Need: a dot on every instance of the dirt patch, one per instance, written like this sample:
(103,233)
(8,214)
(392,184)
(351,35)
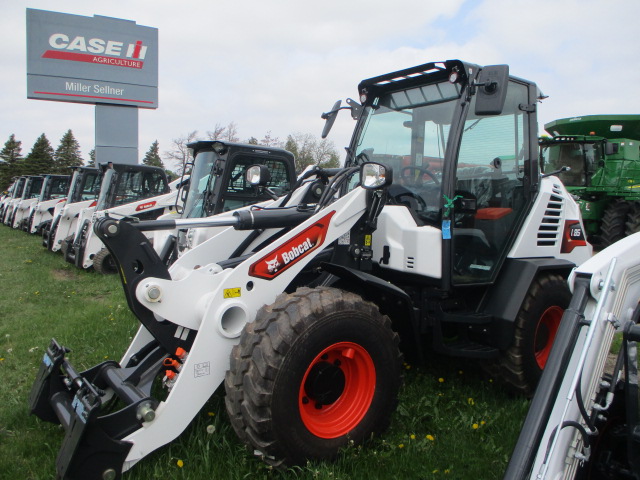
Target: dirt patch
(62,274)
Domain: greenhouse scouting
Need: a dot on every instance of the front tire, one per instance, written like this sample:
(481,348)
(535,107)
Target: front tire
(317,369)
(104,263)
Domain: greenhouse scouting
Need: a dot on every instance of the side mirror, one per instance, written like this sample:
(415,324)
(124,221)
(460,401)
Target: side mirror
(330,118)
(375,175)
(492,84)
(258,175)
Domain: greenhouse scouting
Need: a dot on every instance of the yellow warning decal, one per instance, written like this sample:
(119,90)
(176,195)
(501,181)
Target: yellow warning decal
(367,240)
(231,292)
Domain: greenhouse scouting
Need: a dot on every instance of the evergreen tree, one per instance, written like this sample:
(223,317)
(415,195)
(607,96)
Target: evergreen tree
(92,158)
(40,159)
(10,161)
(152,157)
(67,154)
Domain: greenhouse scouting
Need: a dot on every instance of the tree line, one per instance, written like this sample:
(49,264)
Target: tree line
(307,149)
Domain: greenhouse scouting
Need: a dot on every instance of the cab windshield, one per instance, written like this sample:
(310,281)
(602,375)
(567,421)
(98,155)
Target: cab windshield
(408,131)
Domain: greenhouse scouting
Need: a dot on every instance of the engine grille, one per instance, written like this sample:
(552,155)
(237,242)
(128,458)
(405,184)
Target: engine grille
(549,230)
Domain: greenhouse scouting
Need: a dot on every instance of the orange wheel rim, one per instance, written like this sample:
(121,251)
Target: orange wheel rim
(546,331)
(336,390)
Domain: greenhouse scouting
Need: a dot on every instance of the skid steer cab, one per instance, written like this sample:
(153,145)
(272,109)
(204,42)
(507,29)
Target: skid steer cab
(55,190)
(83,192)
(218,185)
(10,200)
(439,234)
(21,205)
(137,191)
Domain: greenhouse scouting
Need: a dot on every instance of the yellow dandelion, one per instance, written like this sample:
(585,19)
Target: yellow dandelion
(401,445)
(482,422)
(475,426)
(412,436)
(470,401)
(180,463)
(441,380)
(431,438)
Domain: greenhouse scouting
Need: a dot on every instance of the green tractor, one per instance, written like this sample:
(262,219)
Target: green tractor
(603,174)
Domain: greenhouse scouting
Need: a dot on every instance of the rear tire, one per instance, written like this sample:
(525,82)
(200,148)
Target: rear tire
(536,326)
(104,263)
(317,369)
(614,221)
(633,219)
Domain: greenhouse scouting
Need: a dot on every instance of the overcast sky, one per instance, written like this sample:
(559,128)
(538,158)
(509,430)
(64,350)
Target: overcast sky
(277,65)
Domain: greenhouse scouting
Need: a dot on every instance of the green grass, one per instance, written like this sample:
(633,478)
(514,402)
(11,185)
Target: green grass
(451,423)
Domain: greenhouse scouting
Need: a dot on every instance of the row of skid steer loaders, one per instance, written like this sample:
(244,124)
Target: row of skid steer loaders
(439,234)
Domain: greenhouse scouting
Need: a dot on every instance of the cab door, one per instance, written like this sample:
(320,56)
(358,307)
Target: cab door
(490,195)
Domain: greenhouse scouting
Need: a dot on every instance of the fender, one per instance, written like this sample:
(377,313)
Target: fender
(504,298)
(394,302)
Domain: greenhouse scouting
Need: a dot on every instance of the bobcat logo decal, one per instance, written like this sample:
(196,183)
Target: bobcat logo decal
(272,265)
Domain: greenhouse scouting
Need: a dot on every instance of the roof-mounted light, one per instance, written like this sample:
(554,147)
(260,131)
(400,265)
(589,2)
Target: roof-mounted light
(219,147)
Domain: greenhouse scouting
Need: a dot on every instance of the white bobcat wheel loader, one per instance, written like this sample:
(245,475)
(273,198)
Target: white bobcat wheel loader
(439,234)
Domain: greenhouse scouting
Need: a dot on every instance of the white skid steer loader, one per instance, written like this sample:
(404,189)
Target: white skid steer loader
(133,191)
(218,186)
(584,420)
(55,190)
(83,192)
(438,234)
(30,194)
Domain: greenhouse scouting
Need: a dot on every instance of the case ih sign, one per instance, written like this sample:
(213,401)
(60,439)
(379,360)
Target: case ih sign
(72,58)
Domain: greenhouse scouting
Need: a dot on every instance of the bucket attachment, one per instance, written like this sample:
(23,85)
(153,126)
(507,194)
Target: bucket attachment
(83,403)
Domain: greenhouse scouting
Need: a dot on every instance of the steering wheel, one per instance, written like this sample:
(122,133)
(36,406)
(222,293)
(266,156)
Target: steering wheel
(403,196)
(409,179)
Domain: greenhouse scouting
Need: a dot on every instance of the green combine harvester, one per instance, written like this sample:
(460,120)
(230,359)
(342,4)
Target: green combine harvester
(602,154)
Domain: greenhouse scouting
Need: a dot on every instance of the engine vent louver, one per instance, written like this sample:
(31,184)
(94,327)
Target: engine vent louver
(549,229)
(410,262)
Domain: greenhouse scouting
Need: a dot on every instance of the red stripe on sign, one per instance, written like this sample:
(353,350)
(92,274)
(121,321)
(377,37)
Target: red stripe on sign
(98,59)
(93,96)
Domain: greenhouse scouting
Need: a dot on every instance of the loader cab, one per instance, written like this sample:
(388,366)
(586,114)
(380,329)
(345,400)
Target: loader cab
(462,142)
(218,182)
(582,154)
(122,184)
(85,184)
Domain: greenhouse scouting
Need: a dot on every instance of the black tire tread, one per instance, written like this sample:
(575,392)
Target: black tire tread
(254,361)
(614,221)
(101,262)
(510,367)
